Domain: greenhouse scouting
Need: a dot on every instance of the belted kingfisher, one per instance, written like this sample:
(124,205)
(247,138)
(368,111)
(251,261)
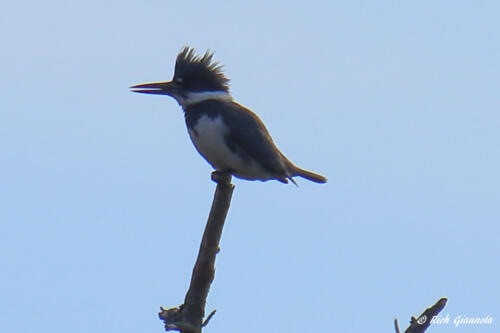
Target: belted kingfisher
(229,136)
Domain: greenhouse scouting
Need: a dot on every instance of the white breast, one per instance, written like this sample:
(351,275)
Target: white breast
(208,137)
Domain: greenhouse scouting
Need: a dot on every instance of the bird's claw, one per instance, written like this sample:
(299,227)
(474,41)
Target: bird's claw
(221,176)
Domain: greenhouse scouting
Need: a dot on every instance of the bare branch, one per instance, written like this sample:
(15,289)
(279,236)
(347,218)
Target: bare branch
(420,324)
(188,318)
(396,326)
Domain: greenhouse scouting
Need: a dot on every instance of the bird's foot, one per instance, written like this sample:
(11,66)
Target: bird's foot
(221,176)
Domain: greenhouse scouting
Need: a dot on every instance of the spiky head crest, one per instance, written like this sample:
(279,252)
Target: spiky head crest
(199,73)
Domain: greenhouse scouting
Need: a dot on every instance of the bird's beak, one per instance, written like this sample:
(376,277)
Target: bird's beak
(159,88)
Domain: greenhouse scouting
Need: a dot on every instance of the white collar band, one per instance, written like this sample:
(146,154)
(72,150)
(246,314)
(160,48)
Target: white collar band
(197,97)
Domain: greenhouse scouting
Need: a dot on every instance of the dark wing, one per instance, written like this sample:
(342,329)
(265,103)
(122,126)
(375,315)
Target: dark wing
(249,137)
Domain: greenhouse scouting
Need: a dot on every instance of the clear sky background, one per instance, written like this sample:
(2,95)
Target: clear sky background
(104,199)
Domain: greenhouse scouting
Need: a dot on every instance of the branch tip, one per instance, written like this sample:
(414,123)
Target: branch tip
(396,325)
(205,322)
(422,322)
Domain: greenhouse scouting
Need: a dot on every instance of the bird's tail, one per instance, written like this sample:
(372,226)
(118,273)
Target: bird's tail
(296,171)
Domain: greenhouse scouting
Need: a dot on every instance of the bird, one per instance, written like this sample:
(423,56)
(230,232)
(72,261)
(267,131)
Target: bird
(231,138)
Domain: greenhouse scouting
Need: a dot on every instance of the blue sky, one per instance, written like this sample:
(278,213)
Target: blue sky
(104,198)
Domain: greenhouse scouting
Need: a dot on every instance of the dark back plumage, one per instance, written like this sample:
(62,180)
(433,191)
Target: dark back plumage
(247,135)
(199,73)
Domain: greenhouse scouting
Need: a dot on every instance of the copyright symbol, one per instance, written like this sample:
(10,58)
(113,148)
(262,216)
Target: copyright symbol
(422,319)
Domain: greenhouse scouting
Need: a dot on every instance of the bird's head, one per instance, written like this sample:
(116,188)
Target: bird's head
(195,77)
